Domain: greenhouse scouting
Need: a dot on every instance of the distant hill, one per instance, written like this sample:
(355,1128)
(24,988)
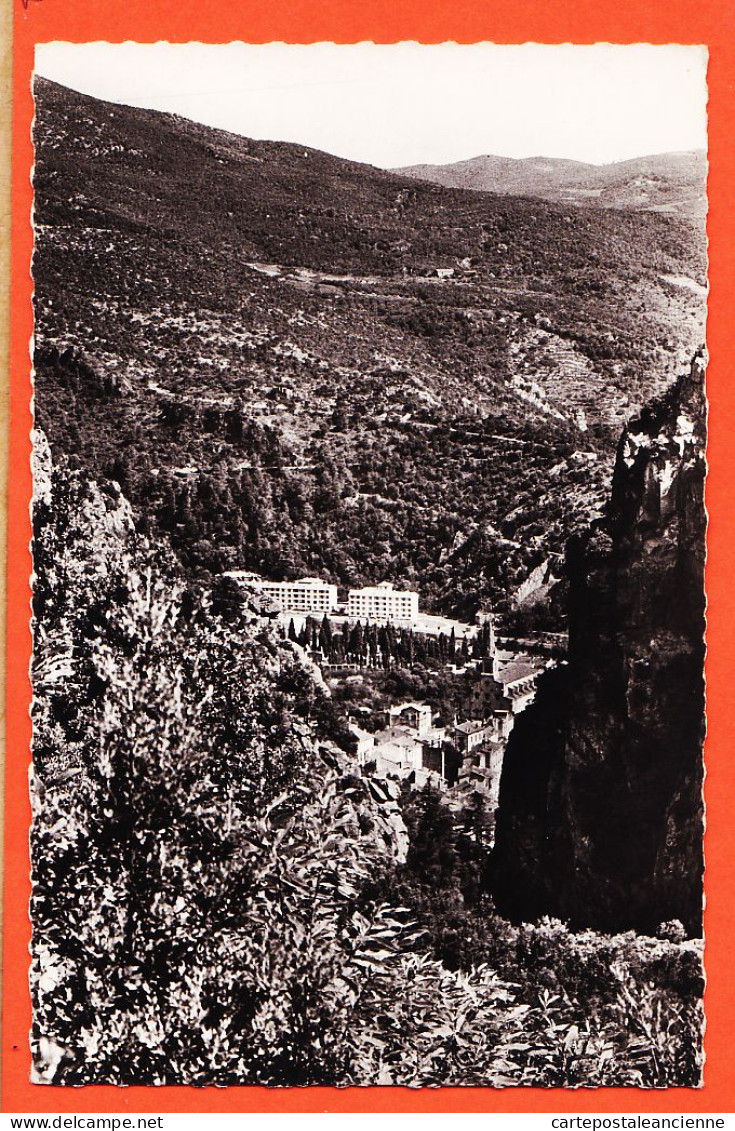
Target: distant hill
(672,183)
(298,365)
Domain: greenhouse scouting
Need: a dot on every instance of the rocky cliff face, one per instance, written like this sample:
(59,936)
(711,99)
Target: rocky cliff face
(600,819)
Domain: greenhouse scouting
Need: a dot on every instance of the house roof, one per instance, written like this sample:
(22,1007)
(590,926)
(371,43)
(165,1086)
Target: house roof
(358,731)
(470,726)
(518,670)
(398,735)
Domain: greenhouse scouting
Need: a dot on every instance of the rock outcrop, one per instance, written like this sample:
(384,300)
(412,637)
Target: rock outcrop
(600,818)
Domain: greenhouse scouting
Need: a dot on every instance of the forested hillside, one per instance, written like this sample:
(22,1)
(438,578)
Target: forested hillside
(252,340)
(673,183)
(220,898)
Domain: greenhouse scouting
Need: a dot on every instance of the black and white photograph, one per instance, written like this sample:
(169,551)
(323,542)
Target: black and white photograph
(369,458)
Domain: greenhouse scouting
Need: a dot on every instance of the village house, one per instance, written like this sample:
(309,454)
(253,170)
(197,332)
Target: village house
(485,697)
(510,686)
(501,724)
(482,769)
(365,742)
(416,716)
(442,758)
(519,680)
(398,748)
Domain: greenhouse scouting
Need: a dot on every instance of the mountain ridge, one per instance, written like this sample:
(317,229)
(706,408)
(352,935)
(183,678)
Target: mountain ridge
(672,182)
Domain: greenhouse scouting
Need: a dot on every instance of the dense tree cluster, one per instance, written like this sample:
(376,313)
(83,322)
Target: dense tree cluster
(387,646)
(461,511)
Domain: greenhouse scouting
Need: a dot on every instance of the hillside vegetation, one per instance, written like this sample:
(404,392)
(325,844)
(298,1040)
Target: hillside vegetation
(251,339)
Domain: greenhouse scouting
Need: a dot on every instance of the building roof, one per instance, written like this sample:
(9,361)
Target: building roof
(381,590)
(470,726)
(386,749)
(398,735)
(358,731)
(413,706)
(256,579)
(518,670)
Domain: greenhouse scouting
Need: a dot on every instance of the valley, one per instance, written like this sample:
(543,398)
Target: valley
(296,364)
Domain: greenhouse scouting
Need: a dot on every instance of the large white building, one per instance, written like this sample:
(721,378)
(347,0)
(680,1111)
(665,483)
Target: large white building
(383,603)
(307,595)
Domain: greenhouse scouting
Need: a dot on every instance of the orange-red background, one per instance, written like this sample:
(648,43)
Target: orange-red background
(711,22)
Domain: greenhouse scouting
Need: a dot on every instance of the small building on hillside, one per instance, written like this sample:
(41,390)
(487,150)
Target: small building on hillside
(507,687)
(396,749)
(485,695)
(519,680)
(482,769)
(469,734)
(365,742)
(501,724)
(441,757)
(417,716)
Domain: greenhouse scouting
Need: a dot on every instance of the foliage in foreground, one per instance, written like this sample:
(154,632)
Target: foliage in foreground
(201,854)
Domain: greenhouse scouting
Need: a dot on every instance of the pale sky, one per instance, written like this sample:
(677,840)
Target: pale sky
(408,103)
